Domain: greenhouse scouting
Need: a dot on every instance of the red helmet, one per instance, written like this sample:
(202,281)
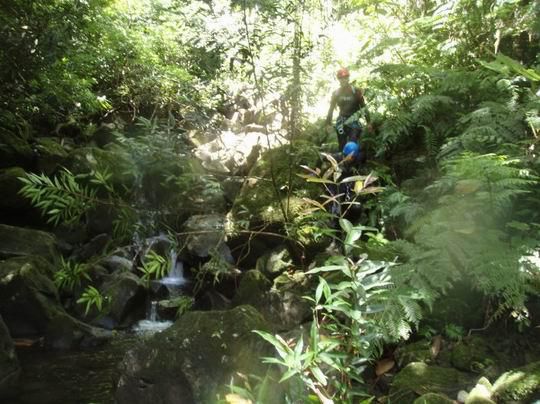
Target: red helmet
(342,73)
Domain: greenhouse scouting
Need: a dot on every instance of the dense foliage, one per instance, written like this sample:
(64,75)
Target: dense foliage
(453,90)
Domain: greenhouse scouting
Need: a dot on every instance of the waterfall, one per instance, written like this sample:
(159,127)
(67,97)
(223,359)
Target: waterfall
(153,311)
(176,273)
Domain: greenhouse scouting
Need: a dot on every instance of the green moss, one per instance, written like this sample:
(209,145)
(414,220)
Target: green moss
(14,241)
(433,398)
(258,199)
(473,355)
(521,384)
(51,154)
(419,351)
(252,289)
(10,186)
(417,378)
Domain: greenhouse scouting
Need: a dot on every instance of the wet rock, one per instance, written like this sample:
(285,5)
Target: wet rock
(94,247)
(30,306)
(9,365)
(191,360)
(418,378)
(170,309)
(18,241)
(518,385)
(51,154)
(126,303)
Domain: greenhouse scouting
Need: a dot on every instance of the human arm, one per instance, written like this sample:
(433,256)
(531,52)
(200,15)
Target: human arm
(333,103)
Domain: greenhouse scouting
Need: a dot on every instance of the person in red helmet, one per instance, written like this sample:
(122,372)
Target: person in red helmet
(349,100)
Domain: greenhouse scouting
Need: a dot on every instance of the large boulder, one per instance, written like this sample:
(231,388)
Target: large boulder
(14,151)
(281,303)
(231,153)
(206,234)
(18,241)
(474,354)
(127,299)
(10,184)
(114,159)
(51,154)
(189,362)
(275,262)
(30,306)
(9,366)
(418,378)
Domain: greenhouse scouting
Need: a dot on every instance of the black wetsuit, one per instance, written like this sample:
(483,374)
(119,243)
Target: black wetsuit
(349,100)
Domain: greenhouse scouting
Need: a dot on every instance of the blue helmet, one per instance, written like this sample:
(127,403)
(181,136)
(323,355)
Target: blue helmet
(351,148)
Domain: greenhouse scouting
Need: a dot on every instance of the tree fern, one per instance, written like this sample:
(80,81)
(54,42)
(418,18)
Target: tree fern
(463,233)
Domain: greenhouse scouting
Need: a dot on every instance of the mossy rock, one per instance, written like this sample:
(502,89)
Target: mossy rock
(193,359)
(51,154)
(481,393)
(18,241)
(30,306)
(473,354)
(419,351)
(114,160)
(253,289)
(257,198)
(10,184)
(433,398)
(14,151)
(275,262)
(418,378)
(9,365)
(518,385)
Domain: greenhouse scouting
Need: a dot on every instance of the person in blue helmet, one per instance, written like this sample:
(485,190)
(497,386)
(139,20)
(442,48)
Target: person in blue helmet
(349,159)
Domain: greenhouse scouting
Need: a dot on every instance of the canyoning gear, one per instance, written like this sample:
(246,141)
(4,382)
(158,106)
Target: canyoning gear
(352,107)
(342,73)
(351,149)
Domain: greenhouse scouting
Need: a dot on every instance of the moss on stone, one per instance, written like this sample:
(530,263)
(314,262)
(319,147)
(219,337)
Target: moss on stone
(14,241)
(10,184)
(418,378)
(419,351)
(473,355)
(433,398)
(14,151)
(252,289)
(258,198)
(51,154)
(521,384)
